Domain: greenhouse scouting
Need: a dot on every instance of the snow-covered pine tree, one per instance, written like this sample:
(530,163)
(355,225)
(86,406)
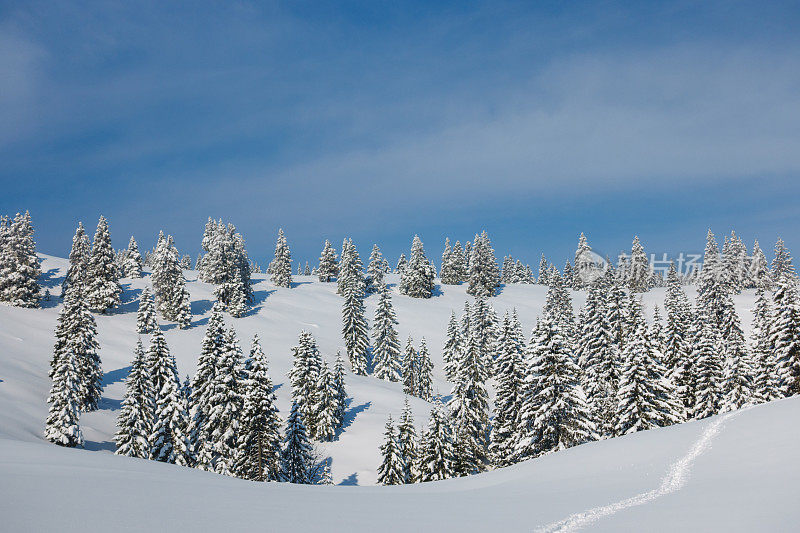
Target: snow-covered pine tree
(554,413)
(281,267)
(437,459)
(391,470)
(375,270)
(544,269)
(307,270)
(758,270)
(785,328)
(354,326)
(452,347)
(401,264)
(638,268)
(484,276)
(134,422)
(706,369)
(569,275)
(146,321)
(676,330)
(328,267)
(449,273)
(132,263)
(737,387)
(340,395)
(409,369)
(508,399)
(78,259)
(297,455)
(386,346)
(259,440)
(712,282)
(766,385)
(351,269)
(424,381)
(408,445)
(102,286)
(645,398)
(76,333)
(166,442)
(304,377)
(19,266)
(459,261)
(169,286)
(598,358)
(325,407)
(584,262)
(417,278)
(469,409)
(62,425)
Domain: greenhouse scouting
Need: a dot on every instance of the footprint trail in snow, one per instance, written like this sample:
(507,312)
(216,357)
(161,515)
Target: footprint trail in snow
(675,479)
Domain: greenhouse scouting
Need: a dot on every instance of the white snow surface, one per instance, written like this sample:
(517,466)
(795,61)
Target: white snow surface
(736,472)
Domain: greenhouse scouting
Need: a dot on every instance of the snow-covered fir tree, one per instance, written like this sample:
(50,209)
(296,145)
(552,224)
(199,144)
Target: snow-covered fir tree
(62,425)
(297,456)
(76,335)
(450,273)
(437,460)
(169,285)
(785,328)
(483,327)
(386,350)
(408,369)
(102,287)
(351,269)
(638,268)
(167,443)
(325,407)
(281,267)
(424,366)
(544,269)
(78,259)
(766,383)
(408,445)
(677,343)
(259,439)
(781,262)
(706,370)
(554,413)
(328,266)
(469,408)
(508,399)
(584,263)
(340,395)
(134,422)
(758,269)
(391,470)
(712,282)
(376,269)
(19,266)
(452,347)
(645,398)
(132,261)
(146,321)
(484,276)
(305,378)
(737,388)
(417,277)
(354,326)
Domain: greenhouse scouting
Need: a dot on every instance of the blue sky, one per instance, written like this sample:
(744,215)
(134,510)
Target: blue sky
(379,120)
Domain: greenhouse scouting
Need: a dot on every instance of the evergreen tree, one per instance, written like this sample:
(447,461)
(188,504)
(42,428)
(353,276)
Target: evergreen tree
(375,270)
(354,327)
(584,263)
(508,400)
(134,421)
(169,286)
(132,263)
(78,259)
(409,369)
(146,321)
(297,456)
(484,276)
(340,395)
(638,268)
(417,277)
(424,366)
(759,275)
(386,349)
(305,378)
(450,274)
(259,441)
(543,271)
(350,270)
(437,459)
(326,407)
(166,440)
(408,445)
(102,287)
(554,413)
(452,348)
(645,396)
(766,383)
(483,326)
(782,262)
(328,267)
(392,470)
(676,331)
(706,370)
(401,264)
(785,328)
(62,425)
(712,283)
(281,267)
(19,266)
(737,388)
(459,260)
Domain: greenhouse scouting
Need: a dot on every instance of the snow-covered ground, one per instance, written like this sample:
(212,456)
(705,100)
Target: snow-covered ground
(739,473)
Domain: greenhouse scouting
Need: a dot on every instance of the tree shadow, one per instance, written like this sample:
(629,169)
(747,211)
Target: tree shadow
(115,376)
(351,480)
(48,303)
(259,297)
(109,404)
(51,279)
(499,290)
(201,322)
(350,415)
(296,284)
(99,446)
(437,291)
(200,307)
(130,299)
